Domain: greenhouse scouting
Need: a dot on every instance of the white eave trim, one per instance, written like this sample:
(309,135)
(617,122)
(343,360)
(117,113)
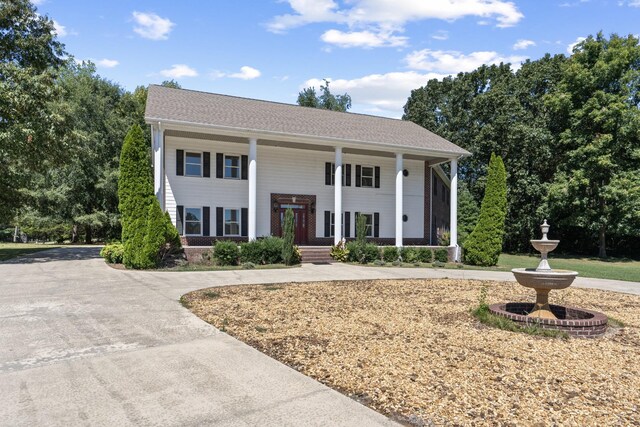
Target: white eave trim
(291,137)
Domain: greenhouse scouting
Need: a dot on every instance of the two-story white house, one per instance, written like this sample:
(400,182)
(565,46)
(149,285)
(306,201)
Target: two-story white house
(227,168)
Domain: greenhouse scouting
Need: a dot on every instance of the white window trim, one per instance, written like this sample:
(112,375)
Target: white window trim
(186,208)
(371,227)
(201,154)
(224,222)
(373,176)
(224,166)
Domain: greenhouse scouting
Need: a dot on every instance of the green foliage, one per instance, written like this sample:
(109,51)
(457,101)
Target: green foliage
(226,252)
(252,252)
(389,253)
(468,212)
(327,101)
(409,254)
(444,238)
(361,229)
(272,249)
(248,266)
(370,253)
(113,253)
(425,255)
(484,245)
(441,255)
(288,247)
(340,252)
(161,239)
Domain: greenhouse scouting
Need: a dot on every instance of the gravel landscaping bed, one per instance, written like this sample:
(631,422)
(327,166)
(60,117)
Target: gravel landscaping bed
(411,350)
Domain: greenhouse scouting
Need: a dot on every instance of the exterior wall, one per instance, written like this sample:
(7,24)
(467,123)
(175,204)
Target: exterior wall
(297,172)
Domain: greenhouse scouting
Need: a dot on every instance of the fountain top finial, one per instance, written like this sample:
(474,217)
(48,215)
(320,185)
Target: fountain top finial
(545,229)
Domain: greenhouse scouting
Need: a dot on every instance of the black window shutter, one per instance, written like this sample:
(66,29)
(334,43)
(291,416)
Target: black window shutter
(355,223)
(206,219)
(327,173)
(206,163)
(377,176)
(219,165)
(376,224)
(219,221)
(347,224)
(180,162)
(348,177)
(244,222)
(327,224)
(358,175)
(244,167)
(179,220)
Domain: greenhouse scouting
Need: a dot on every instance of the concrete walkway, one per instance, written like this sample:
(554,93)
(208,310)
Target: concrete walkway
(84,344)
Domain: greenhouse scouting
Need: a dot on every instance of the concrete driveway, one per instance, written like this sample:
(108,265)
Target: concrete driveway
(84,344)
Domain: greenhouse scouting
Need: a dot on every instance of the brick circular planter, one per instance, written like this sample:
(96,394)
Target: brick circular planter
(576,322)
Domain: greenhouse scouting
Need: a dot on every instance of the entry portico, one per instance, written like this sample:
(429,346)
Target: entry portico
(269,156)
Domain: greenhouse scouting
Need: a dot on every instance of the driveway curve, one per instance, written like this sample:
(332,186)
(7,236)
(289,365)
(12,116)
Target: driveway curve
(85,344)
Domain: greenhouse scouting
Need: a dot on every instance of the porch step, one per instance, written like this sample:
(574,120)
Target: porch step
(315,254)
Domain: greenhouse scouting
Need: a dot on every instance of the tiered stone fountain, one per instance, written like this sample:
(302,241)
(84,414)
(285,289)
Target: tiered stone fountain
(544,279)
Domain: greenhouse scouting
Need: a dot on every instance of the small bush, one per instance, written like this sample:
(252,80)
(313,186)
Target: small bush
(370,253)
(441,255)
(226,252)
(389,253)
(252,252)
(409,254)
(425,255)
(248,266)
(353,251)
(379,263)
(340,252)
(396,263)
(113,253)
(272,249)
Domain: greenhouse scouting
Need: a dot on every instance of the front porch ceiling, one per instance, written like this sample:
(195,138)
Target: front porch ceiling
(301,146)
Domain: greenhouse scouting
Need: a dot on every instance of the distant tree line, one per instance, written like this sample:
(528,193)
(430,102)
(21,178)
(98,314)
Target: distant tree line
(568,129)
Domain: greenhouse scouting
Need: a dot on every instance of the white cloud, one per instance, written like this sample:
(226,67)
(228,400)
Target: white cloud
(394,14)
(522,44)
(38,2)
(453,62)
(573,45)
(151,26)
(107,63)
(246,73)
(630,3)
(440,35)
(178,71)
(59,29)
(365,39)
(383,94)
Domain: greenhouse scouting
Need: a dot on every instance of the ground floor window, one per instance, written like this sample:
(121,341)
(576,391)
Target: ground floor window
(232,222)
(369,224)
(193,221)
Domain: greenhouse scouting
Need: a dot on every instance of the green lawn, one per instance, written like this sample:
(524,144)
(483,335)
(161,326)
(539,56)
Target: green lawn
(12,250)
(612,268)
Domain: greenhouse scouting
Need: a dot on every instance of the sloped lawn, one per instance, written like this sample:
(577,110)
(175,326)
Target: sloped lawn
(411,350)
(13,250)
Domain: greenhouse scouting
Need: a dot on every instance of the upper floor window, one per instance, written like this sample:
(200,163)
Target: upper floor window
(366,177)
(232,167)
(193,164)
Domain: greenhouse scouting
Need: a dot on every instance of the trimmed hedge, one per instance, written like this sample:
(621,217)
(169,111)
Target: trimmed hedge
(390,253)
(441,255)
(484,244)
(425,255)
(252,252)
(362,253)
(226,252)
(112,253)
(409,254)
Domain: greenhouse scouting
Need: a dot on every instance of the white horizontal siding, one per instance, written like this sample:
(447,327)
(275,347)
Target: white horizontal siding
(293,171)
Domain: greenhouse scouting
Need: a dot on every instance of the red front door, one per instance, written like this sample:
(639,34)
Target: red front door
(300,222)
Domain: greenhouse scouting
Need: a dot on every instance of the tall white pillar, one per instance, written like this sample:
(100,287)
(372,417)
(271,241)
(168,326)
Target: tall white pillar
(337,223)
(253,154)
(399,197)
(157,135)
(453,206)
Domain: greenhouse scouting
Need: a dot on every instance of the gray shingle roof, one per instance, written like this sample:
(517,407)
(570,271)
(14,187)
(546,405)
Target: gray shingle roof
(229,111)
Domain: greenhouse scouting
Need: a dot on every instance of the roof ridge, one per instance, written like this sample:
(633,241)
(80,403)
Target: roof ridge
(281,103)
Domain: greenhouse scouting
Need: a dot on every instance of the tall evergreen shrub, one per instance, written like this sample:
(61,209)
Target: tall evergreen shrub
(288,247)
(484,244)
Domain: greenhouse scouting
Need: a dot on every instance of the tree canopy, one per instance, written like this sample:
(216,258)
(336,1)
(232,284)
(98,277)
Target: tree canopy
(328,101)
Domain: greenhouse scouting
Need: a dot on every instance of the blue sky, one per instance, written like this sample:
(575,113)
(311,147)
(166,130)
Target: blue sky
(375,50)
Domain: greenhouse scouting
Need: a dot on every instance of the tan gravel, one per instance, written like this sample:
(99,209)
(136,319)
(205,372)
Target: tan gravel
(411,350)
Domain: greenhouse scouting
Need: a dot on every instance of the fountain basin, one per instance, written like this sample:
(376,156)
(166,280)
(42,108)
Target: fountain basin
(576,322)
(544,246)
(544,279)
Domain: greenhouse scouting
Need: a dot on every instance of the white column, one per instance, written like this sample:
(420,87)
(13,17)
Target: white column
(399,196)
(253,153)
(453,214)
(157,135)
(337,206)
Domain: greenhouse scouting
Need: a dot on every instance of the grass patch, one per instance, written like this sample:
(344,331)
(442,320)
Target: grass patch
(615,323)
(207,267)
(261,329)
(13,250)
(487,318)
(272,288)
(211,294)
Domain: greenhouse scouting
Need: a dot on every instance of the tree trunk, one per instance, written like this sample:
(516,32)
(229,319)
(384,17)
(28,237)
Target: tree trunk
(88,237)
(74,233)
(16,235)
(602,251)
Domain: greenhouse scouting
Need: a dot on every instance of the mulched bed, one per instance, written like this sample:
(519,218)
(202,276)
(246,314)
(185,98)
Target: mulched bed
(411,350)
